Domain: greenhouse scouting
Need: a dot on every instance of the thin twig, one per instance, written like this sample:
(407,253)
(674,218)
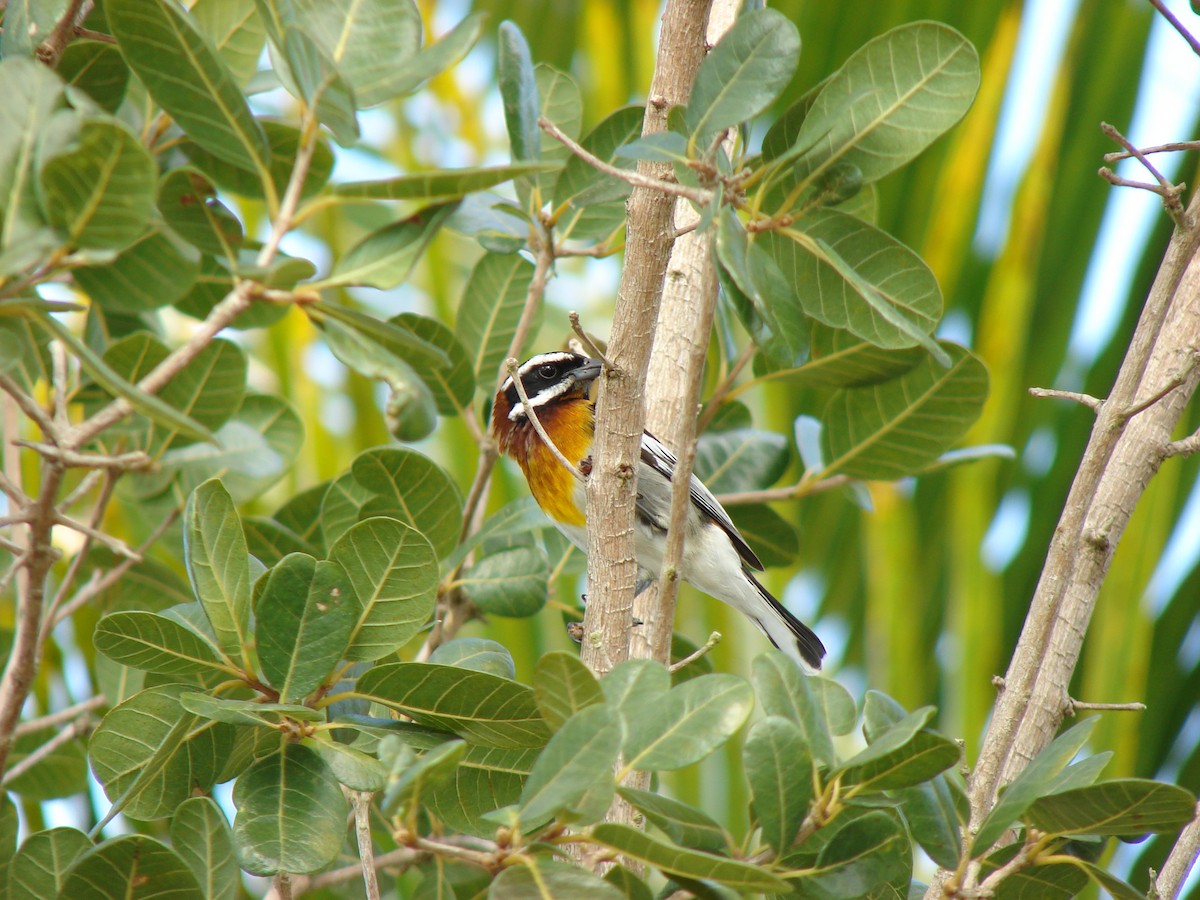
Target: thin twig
(1074,706)
(1087,400)
(80,726)
(97,516)
(1184,446)
(88,531)
(806,487)
(58,382)
(512,367)
(441,848)
(366,848)
(1177,25)
(401,856)
(136,459)
(63,715)
(1174,382)
(51,49)
(1170,193)
(722,389)
(713,640)
(100,584)
(584,338)
(1174,147)
(630,176)
(30,407)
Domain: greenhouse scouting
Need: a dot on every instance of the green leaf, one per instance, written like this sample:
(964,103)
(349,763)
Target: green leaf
(252,452)
(186,77)
(321,85)
(394,575)
(291,813)
(340,506)
(634,682)
(486,779)
(1116,888)
(237,32)
(936,812)
(1125,806)
(514,518)
(385,258)
(784,690)
(478,706)
(247,712)
(98,70)
(99,192)
(740,77)
(544,879)
(763,299)
(514,582)
(202,837)
(849,274)
(411,487)
(1057,881)
(740,460)
(409,73)
(894,429)
(561,103)
(303,621)
(579,758)
(453,385)
(682,823)
(365,39)
(284,143)
(409,780)
(356,770)
(592,203)
(779,769)
(154,643)
(476,654)
(131,867)
(889,101)
(188,202)
(1034,781)
(149,753)
(33,93)
(841,360)
(674,860)
(37,870)
(218,565)
(562,686)
(491,307)
(438,185)
(518,90)
(155,271)
(148,405)
(269,542)
(902,755)
(868,852)
(402,342)
(693,720)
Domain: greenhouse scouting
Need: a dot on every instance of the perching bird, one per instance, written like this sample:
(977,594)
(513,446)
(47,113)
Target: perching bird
(716,558)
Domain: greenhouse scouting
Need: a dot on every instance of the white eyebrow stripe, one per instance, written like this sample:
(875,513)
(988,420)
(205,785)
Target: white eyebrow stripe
(542,397)
(556,356)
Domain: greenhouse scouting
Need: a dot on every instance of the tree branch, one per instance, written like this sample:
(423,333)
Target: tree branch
(1179,861)
(1121,456)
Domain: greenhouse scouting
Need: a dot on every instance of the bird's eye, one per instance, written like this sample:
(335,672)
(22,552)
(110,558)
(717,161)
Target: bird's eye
(548,371)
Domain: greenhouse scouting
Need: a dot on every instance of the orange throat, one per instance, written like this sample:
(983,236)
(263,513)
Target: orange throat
(570,423)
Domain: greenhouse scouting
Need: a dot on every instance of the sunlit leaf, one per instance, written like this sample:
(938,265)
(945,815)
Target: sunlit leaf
(130,867)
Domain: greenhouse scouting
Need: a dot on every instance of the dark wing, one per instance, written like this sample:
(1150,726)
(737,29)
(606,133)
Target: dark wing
(660,459)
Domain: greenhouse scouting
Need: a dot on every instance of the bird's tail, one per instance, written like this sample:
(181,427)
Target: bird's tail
(787,632)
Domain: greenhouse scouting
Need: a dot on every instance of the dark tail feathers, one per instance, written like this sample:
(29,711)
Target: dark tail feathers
(810,646)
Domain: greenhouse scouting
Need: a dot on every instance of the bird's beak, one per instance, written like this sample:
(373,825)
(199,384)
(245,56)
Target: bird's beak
(587,373)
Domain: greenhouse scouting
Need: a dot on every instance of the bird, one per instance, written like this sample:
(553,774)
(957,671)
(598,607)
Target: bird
(716,558)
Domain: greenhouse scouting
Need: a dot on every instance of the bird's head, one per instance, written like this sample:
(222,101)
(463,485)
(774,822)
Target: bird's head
(547,379)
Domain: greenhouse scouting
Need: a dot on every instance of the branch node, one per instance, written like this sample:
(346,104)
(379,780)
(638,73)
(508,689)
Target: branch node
(1170,193)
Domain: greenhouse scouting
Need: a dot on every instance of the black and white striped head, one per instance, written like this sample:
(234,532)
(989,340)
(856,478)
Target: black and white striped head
(547,377)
